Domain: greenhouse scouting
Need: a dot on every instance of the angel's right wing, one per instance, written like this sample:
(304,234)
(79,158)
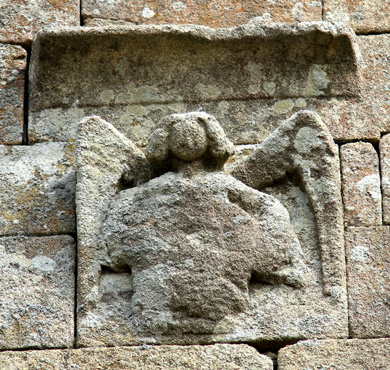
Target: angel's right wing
(303,145)
(106,161)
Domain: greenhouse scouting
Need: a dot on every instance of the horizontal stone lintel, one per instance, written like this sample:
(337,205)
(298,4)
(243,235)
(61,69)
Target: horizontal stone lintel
(108,66)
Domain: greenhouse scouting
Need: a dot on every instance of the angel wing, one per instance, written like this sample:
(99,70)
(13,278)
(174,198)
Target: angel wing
(303,145)
(104,160)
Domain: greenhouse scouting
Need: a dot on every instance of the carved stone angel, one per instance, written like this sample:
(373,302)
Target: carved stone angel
(188,236)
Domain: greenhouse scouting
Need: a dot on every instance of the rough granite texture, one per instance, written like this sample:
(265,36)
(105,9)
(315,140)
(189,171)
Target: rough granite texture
(361,184)
(106,160)
(37,292)
(368,267)
(216,357)
(384,150)
(214,13)
(21,19)
(172,249)
(303,145)
(137,286)
(259,73)
(13,62)
(352,354)
(368,116)
(261,117)
(364,16)
(37,189)
(375,104)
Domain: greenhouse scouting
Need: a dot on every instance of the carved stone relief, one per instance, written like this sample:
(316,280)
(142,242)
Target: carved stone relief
(173,249)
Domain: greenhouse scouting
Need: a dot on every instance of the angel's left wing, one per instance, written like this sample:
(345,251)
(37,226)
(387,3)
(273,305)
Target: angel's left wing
(303,145)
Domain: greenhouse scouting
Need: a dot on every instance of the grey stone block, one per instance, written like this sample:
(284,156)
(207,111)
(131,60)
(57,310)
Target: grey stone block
(21,20)
(363,15)
(221,13)
(218,357)
(37,189)
(384,150)
(13,64)
(353,354)
(361,184)
(368,267)
(37,292)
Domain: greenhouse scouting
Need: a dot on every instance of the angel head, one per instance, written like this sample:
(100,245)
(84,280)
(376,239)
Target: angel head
(189,137)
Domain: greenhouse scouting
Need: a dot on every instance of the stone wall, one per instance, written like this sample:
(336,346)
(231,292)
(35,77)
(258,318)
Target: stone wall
(121,61)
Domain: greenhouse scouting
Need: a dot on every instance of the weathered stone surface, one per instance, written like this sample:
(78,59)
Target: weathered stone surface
(384,150)
(37,292)
(101,22)
(194,255)
(364,16)
(138,121)
(241,153)
(105,161)
(221,13)
(353,354)
(368,266)
(374,108)
(218,357)
(133,75)
(368,116)
(20,20)
(361,184)
(303,145)
(347,118)
(174,220)
(261,118)
(13,62)
(37,189)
